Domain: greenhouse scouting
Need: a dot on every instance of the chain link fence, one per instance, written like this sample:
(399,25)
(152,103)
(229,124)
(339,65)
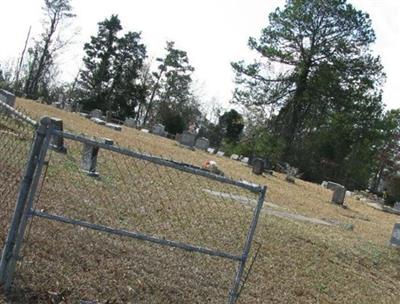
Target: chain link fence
(16,135)
(98,214)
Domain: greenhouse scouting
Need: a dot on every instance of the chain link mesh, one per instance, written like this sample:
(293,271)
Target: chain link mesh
(16,135)
(62,262)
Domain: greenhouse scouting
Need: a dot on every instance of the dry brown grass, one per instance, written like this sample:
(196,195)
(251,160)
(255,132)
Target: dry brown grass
(298,262)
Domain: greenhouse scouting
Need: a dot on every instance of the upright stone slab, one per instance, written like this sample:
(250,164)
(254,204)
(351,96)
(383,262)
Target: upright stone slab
(158,129)
(396,206)
(245,160)
(339,194)
(395,240)
(78,107)
(130,122)
(258,166)
(202,143)
(187,139)
(220,153)
(96,113)
(89,159)
(211,150)
(7,97)
(235,157)
(57,141)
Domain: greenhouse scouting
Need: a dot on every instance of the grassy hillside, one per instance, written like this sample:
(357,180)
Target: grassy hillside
(298,262)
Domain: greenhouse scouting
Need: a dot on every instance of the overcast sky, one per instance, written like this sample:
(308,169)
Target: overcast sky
(213,32)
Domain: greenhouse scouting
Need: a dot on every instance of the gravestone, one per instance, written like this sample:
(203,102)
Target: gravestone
(220,153)
(108,116)
(144,130)
(89,159)
(396,206)
(324,184)
(113,126)
(187,139)
(178,137)
(211,150)
(98,121)
(245,160)
(78,107)
(130,122)
(158,129)
(235,157)
(258,166)
(395,240)
(202,143)
(339,194)
(84,115)
(7,97)
(68,107)
(57,141)
(96,113)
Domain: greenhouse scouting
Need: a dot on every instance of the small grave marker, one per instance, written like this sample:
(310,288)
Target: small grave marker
(235,157)
(57,141)
(7,97)
(395,240)
(187,139)
(202,143)
(220,153)
(113,126)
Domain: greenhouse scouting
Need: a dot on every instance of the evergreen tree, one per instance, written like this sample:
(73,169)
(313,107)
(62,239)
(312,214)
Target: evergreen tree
(109,80)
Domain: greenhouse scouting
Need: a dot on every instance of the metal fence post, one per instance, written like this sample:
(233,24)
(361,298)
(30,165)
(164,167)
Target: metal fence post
(233,294)
(10,254)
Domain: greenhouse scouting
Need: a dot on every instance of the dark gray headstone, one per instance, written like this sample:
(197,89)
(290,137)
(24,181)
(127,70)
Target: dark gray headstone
(187,139)
(108,116)
(258,166)
(202,143)
(130,122)
(57,141)
(158,129)
(339,194)
(89,159)
(395,240)
(96,113)
(7,97)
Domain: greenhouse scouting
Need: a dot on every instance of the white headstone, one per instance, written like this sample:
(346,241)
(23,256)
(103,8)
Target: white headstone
(245,160)
(397,206)
(98,121)
(211,150)
(113,126)
(220,153)
(234,156)
(145,130)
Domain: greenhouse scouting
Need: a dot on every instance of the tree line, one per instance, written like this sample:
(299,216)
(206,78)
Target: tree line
(312,97)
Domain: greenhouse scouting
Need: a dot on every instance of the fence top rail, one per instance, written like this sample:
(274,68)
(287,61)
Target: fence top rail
(19,114)
(161,161)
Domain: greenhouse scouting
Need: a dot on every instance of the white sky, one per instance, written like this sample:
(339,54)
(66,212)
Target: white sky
(213,32)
